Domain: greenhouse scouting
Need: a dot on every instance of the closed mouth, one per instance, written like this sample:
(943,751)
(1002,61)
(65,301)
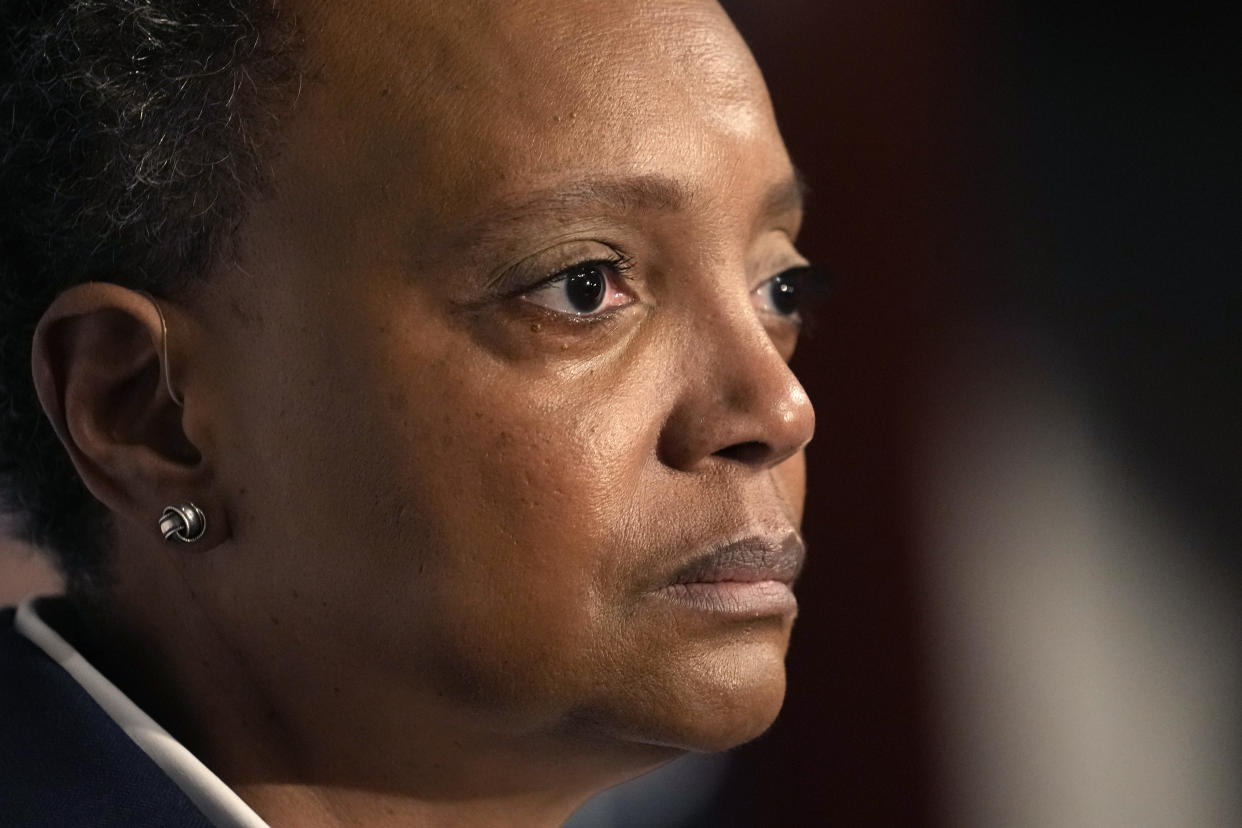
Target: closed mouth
(750,578)
(750,560)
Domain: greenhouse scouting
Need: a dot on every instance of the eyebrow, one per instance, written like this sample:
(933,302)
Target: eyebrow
(786,196)
(639,193)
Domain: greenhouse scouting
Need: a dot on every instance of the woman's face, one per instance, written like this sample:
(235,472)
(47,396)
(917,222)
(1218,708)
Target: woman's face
(503,364)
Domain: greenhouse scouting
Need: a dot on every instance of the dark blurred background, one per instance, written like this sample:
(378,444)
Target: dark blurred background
(1022,601)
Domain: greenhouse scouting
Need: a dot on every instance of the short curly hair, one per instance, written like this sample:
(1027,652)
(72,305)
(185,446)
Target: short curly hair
(132,135)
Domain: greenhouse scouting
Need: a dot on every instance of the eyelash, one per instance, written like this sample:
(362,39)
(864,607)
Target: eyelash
(615,267)
(800,278)
(619,262)
(813,284)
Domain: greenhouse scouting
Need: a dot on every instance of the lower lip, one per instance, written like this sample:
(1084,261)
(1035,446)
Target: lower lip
(739,599)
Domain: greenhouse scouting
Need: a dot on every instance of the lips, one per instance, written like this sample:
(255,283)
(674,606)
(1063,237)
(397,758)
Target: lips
(746,579)
(749,560)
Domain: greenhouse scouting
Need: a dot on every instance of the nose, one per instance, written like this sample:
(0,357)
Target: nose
(738,401)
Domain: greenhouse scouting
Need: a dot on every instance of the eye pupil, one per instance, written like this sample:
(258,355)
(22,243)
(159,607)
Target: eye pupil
(585,288)
(784,294)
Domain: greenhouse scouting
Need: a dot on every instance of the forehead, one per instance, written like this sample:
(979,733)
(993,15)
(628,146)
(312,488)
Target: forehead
(537,55)
(501,96)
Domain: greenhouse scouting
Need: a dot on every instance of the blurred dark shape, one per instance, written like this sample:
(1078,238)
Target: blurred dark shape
(1121,132)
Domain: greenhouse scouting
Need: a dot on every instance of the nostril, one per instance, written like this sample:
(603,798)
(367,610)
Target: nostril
(752,452)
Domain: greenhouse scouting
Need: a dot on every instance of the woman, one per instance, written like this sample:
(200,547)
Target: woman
(421,373)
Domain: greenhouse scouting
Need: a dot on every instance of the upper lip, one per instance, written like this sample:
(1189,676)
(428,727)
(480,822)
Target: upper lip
(749,560)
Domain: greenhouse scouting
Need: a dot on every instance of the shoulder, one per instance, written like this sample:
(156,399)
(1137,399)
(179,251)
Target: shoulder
(63,761)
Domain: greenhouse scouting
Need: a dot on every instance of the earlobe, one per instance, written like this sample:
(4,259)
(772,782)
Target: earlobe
(100,360)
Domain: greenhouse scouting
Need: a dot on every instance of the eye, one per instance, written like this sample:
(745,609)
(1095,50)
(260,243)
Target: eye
(782,294)
(584,289)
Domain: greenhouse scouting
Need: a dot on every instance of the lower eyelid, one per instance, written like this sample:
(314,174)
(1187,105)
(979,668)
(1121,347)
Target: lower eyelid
(542,322)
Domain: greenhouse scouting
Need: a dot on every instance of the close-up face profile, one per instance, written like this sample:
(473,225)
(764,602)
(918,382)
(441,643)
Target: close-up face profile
(406,414)
(486,404)
(506,402)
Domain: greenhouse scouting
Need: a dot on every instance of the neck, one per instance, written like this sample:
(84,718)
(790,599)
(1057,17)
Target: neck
(452,776)
(319,806)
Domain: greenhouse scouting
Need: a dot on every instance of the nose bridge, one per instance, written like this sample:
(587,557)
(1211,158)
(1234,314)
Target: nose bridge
(750,373)
(741,401)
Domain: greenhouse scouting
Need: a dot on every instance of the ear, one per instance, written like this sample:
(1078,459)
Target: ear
(99,370)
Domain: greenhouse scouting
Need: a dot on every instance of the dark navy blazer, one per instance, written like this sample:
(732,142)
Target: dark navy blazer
(63,761)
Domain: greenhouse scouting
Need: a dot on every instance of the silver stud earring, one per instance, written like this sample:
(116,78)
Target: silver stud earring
(185,522)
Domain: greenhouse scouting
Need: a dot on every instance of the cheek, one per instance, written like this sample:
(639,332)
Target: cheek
(552,484)
(526,527)
(542,463)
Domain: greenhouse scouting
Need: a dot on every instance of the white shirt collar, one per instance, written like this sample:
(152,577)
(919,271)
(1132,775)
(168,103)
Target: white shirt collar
(215,799)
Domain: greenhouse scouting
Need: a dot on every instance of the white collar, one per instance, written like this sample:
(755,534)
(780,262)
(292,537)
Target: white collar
(216,800)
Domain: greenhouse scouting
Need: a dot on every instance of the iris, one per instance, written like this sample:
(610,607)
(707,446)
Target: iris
(584,287)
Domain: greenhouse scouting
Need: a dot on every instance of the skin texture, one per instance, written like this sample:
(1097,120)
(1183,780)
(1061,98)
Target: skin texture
(438,508)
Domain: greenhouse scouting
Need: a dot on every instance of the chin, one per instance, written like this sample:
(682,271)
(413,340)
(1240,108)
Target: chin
(732,710)
(703,704)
